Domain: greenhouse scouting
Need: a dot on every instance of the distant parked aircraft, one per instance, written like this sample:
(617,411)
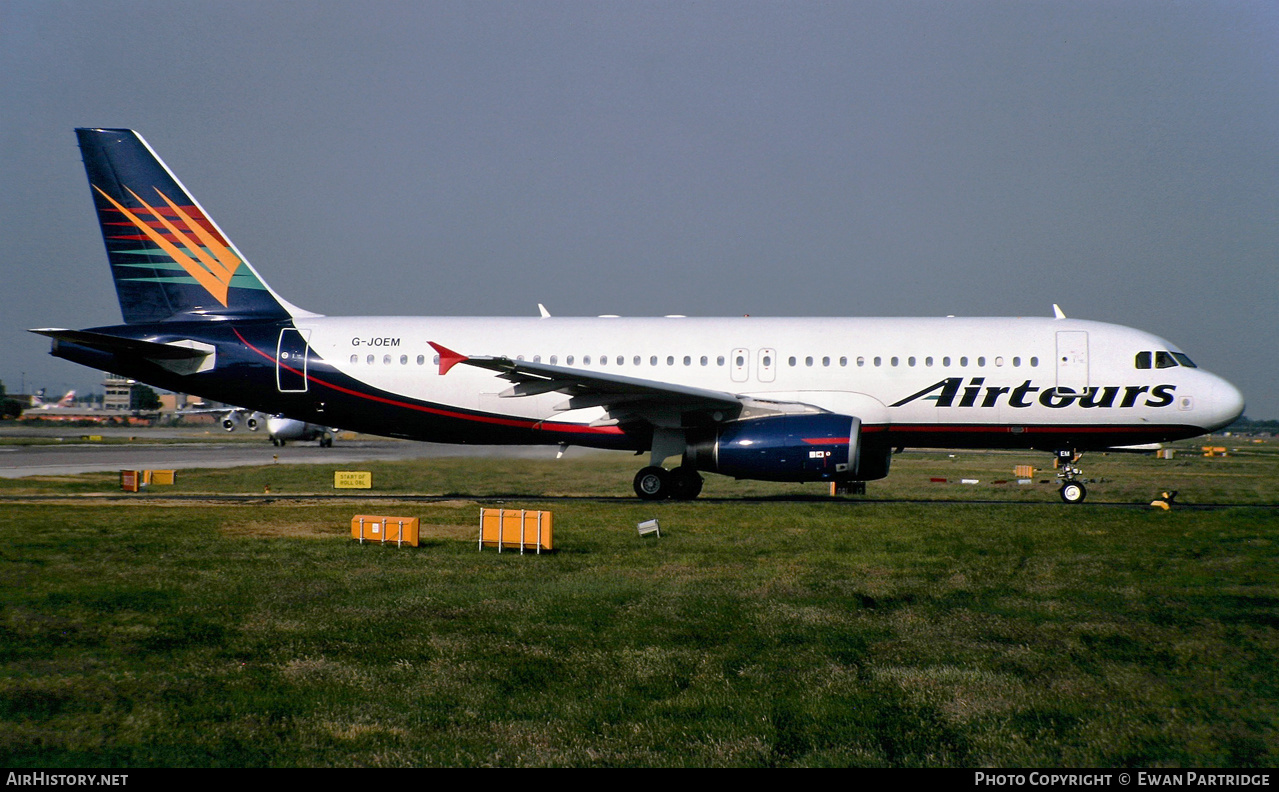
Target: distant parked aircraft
(38,402)
(278,428)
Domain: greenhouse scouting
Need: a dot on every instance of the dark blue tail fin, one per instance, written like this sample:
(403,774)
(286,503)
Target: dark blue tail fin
(170,261)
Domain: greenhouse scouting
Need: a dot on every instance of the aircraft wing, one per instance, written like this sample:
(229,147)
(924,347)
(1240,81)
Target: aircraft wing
(625,398)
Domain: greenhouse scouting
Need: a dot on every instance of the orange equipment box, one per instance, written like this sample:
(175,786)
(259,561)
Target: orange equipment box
(158,477)
(400,530)
(130,481)
(512,528)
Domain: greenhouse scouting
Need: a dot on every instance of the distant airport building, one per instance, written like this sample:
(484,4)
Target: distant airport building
(119,393)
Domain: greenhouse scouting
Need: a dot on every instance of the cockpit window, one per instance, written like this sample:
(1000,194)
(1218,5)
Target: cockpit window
(1163,360)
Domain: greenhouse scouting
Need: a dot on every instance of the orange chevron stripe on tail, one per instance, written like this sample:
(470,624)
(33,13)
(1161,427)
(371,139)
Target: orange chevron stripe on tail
(210,262)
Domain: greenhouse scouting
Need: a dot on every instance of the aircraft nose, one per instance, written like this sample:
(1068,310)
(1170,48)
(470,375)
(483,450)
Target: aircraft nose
(1227,403)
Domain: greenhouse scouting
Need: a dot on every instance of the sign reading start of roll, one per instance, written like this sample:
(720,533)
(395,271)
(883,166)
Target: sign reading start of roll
(352,479)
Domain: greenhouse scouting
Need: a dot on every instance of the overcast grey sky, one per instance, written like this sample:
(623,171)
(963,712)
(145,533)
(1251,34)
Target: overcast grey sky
(639,158)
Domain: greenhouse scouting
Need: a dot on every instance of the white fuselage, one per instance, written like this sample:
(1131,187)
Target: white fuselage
(961,371)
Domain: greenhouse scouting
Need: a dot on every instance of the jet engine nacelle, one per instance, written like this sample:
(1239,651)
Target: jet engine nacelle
(808,447)
(281,428)
(253,422)
(229,423)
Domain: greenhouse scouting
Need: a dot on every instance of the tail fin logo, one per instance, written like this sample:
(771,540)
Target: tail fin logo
(205,258)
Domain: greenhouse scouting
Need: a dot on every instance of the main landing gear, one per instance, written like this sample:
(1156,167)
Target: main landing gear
(655,483)
(1072,489)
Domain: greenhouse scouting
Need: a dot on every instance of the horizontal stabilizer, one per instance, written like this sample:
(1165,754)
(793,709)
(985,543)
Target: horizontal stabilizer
(182,357)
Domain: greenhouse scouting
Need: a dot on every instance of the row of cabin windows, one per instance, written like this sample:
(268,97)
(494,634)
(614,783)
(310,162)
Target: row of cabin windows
(1163,360)
(912,361)
(389,359)
(766,361)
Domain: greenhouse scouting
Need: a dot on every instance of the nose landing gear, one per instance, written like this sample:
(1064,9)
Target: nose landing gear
(1072,489)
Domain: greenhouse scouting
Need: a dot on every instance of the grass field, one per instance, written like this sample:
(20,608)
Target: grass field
(926,624)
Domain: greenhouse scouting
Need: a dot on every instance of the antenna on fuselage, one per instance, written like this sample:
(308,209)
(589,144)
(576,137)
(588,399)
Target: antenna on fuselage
(542,309)
(1057,312)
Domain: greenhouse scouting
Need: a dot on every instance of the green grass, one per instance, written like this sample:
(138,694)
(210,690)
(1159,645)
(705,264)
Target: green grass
(1250,475)
(765,630)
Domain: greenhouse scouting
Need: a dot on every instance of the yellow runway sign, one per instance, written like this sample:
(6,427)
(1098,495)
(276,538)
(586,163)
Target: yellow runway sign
(352,479)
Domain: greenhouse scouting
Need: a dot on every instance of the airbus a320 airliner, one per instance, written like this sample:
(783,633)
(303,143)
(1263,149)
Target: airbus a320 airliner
(807,399)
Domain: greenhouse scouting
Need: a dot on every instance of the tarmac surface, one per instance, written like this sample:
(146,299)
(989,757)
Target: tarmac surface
(67,451)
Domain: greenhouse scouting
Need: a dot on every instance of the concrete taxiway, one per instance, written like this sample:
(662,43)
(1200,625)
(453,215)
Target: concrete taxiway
(65,452)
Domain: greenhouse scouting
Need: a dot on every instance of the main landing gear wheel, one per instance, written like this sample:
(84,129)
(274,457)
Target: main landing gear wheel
(652,483)
(1073,492)
(685,483)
